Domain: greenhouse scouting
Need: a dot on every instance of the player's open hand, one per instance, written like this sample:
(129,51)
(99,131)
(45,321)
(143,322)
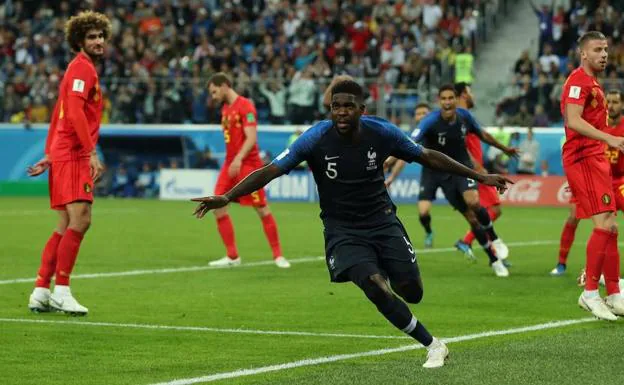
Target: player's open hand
(209,203)
(498,181)
(389,181)
(39,167)
(514,152)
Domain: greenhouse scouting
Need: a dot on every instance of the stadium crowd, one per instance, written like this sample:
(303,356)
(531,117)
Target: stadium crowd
(532,96)
(282,53)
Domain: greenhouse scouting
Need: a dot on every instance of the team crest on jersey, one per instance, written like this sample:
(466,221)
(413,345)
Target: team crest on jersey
(606,199)
(87,188)
(372,160)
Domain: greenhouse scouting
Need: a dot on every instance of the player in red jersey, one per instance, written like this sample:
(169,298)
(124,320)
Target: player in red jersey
(583,106)
(616,127)
(488,197)
(239,123)
(71,157)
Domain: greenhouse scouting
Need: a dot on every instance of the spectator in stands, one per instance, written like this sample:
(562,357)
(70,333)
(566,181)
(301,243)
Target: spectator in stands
(178,41)
(496,160)
(548,59)
(12,103)
(464,69)
(161,165)
(545,19)
(540,117)
(103,186)
(275,93)
(302,97)
(432,13)
(529,153)
(469,27)
(524,65)
(540,94)
(145,183)
(122,184)
(39,112)
(207,161)
(522,118)
(544,171)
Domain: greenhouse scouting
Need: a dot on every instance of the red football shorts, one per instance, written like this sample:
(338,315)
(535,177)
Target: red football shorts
(618,191)
(488,196)
(69,182)
(591,185)
(225,183)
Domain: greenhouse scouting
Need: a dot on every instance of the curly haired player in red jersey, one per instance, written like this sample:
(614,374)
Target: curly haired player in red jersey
(584,108)
(72,160)
(239,123)
(616,159)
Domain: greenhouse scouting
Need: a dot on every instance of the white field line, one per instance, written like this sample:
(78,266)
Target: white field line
(379,352)
(250,264)
(202,329)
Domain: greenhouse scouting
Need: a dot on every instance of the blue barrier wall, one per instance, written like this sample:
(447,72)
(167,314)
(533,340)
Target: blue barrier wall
(20,148)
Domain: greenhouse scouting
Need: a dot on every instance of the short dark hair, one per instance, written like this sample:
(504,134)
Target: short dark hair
(76,28)
(590,35)
(423,105)
(348,87)
(447,87)
(615,91)
(460,88)
(219,79)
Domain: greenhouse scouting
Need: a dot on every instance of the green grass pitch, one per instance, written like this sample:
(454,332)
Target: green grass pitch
(119,342)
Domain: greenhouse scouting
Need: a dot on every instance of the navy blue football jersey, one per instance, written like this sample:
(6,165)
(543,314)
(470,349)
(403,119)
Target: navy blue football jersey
(349,175)
(447,137)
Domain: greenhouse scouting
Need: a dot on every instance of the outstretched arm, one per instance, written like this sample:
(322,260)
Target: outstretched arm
(251,183)
(489,139)
(438,161)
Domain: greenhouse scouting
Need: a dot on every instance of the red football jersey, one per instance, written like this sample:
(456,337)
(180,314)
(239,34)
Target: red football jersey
(615,155)
(80,80)
(234,118)
(583,89)
(473,144)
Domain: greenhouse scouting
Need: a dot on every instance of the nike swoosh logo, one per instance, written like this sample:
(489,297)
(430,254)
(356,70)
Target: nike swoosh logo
(58,303)
(331,157)
(413,259)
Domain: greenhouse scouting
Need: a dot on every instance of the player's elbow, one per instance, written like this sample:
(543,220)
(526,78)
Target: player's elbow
(74,112)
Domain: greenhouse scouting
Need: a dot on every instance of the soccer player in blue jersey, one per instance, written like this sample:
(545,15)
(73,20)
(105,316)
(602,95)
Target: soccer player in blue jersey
(445,130)
(365,242)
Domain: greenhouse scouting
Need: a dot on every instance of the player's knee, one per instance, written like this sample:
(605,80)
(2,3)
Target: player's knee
(263,211)
(411,291)
(62,224)
(471,217)
(220,213)
(473,205)
(572,221)
(376,290)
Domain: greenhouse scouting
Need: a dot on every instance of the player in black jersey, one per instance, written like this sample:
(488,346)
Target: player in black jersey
(365,242)
(445,130)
